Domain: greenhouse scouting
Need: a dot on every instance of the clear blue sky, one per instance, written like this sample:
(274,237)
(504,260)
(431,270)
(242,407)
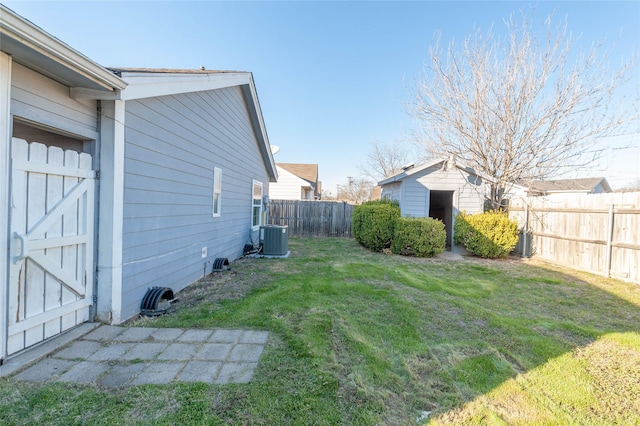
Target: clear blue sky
(332,77)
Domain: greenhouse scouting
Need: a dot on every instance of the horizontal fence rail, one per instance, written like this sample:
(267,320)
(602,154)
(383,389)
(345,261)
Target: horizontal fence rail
(312,218)
(599,233)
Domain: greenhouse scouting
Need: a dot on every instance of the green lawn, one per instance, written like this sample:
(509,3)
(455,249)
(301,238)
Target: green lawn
(360,338)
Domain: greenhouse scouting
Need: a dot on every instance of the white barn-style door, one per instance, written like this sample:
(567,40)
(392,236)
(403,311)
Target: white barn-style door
(51,262)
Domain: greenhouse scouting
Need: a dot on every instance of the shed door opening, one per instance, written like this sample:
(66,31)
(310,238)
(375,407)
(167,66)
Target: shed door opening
(441,207)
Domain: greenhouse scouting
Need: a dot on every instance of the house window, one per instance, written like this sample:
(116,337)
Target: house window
(256,205)
(217,191)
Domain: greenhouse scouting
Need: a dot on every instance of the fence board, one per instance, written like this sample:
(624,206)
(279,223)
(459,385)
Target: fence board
(312,218)
(599,233)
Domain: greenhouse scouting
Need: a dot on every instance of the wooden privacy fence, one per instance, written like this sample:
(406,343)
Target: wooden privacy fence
(312,218)
(599,233)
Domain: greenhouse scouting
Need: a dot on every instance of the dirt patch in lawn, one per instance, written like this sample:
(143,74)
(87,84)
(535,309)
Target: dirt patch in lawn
(238,281)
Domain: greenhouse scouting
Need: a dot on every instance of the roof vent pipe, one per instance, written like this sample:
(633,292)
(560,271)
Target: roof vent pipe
(451,163)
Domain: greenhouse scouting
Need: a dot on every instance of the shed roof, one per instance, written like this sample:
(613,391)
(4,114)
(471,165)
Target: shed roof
(410,170)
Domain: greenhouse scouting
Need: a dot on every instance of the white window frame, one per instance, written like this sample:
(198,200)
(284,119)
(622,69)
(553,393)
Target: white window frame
(216,210)
(256,203)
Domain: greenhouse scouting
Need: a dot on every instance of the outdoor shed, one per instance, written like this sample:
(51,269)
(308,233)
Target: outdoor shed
(113,181)
(439,188)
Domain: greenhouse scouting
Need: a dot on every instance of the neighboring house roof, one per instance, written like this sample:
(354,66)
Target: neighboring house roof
(410,170)
(292,176)
(569,185)
(32,47)
(308,172)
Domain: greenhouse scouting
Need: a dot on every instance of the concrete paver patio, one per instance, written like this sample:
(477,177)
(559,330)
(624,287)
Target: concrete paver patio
(111,356)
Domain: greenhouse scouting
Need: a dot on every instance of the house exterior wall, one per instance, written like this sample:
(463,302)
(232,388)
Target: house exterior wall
(288,187)
(172,144)
(39,99)
(598,189)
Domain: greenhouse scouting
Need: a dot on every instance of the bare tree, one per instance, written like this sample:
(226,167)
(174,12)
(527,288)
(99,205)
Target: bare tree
(385,160)
(357,191)
(633,186)
(523,107)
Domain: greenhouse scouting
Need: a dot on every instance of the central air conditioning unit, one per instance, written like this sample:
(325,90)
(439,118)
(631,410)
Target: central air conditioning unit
(274,240)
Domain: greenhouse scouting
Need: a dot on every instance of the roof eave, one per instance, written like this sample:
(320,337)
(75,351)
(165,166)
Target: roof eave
(148,84)
(33,47)
(257,121)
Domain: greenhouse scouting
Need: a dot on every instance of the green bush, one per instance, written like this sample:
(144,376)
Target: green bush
(373,223)
(490,234)
(422,237)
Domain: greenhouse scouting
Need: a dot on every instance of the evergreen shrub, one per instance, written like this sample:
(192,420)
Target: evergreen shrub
(490,234)
(373,223)
(421,237)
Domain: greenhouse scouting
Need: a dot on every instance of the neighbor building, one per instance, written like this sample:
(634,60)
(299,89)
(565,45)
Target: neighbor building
(296,182)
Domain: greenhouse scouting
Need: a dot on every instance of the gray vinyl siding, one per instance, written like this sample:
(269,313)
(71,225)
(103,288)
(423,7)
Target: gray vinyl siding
(39,99)
(172,146)
(392,191)
(415,199)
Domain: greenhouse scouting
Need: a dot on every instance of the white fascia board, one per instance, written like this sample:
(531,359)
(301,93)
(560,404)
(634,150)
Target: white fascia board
(402,175)
(32,37)
(460,165)
(149,85)
(262,131)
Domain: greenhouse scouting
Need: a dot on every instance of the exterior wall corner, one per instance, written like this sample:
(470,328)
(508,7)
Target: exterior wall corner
(110,212)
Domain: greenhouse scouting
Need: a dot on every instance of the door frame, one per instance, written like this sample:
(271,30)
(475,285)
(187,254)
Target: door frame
(5,182)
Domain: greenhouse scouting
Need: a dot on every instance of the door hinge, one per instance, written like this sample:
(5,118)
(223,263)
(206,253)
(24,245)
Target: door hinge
(97,174)
(95,299)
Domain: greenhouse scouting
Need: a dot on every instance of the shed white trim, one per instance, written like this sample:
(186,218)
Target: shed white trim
(413,170)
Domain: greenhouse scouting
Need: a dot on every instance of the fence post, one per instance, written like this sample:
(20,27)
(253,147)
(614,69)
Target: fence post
(609,241)
(525,237)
